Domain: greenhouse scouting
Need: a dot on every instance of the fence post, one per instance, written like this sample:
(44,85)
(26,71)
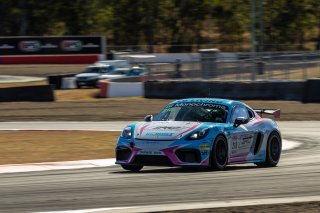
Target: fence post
(209,59)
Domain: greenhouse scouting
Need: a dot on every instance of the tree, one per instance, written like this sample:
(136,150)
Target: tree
(287,23)
(232,19)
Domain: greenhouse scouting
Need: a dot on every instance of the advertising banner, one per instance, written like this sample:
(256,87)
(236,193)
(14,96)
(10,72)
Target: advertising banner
(51,49)
(52,45)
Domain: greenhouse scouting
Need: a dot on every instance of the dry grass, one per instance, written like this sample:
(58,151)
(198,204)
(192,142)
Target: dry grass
(298,74)
(76,95)
(41,70)
(118,109)
(48,146)
(21,84)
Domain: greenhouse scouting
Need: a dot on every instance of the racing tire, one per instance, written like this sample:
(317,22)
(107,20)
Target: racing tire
(274,147)
(132,168)
(219,154)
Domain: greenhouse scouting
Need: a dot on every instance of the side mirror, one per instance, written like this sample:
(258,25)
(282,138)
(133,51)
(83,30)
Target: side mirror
(148,118)
(239,121)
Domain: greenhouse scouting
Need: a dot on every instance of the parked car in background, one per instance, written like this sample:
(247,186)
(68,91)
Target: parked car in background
(124,73)
(90,76)
(114,63)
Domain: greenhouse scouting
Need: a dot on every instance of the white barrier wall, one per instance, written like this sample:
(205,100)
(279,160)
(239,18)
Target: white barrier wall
(125,89)
(172,57)
(68,83)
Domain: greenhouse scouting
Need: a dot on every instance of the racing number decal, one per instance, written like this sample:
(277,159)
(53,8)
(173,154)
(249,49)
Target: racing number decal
(241,143)
(234,145)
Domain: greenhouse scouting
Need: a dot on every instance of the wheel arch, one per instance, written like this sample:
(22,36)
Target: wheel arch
(277,131)
(212,147)
(220,134)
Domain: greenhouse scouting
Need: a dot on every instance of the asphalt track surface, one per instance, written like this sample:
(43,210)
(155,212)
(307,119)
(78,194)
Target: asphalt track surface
(297,175)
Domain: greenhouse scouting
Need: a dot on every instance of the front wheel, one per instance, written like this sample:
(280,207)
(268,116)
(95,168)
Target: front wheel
(219,153)
(274,147)
(132,168)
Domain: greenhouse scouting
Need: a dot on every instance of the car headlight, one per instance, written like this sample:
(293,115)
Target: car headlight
(127,132)
(197,135)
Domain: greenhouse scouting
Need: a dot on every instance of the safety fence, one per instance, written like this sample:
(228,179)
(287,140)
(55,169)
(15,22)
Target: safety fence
(237,66)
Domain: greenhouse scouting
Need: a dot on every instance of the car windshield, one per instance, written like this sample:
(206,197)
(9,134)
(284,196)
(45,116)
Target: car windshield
(200,112)
(117,72)
(135,71)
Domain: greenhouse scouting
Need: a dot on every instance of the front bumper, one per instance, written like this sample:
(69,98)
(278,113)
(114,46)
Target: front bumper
(163,153)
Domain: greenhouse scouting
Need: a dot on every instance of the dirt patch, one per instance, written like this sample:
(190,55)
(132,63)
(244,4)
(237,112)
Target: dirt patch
(41,70)
(77,95)
(18,147)
(117,109)
(22,84)
(310,207)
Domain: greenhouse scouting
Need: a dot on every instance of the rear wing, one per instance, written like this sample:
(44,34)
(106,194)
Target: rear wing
(274,112)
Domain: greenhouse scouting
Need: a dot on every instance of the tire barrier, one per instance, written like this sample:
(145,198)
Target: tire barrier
(40,93)
(56,80)
(267,90)
(121,89)
(312,91)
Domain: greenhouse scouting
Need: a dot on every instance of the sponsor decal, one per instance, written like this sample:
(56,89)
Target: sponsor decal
(150,152)
(204,147)
(204,152)
(234,145)
(6,46)
(91,45)
(245,143)
(52,45)
(71,45)
(159,134)
(29,46)
(210,105)
(49,46)
(240,143)
(167,127)
(143,128)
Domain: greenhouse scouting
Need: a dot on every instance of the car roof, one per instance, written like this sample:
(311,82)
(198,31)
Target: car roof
(98,66)
(225,102)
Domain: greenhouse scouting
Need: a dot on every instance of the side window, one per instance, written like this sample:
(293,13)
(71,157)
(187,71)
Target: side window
(104,70)
(251,114)
(239,111)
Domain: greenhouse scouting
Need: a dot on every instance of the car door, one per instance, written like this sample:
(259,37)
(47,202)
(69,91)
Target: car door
(241,138)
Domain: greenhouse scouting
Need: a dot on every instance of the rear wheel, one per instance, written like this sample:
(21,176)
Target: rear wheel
(132,168)
(219,153)
(274,147)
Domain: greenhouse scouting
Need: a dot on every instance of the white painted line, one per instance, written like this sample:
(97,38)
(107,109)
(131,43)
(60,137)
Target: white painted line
(16,79)
(287,145)
(196,205)
(65,125)
(33,167)
(81,164)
